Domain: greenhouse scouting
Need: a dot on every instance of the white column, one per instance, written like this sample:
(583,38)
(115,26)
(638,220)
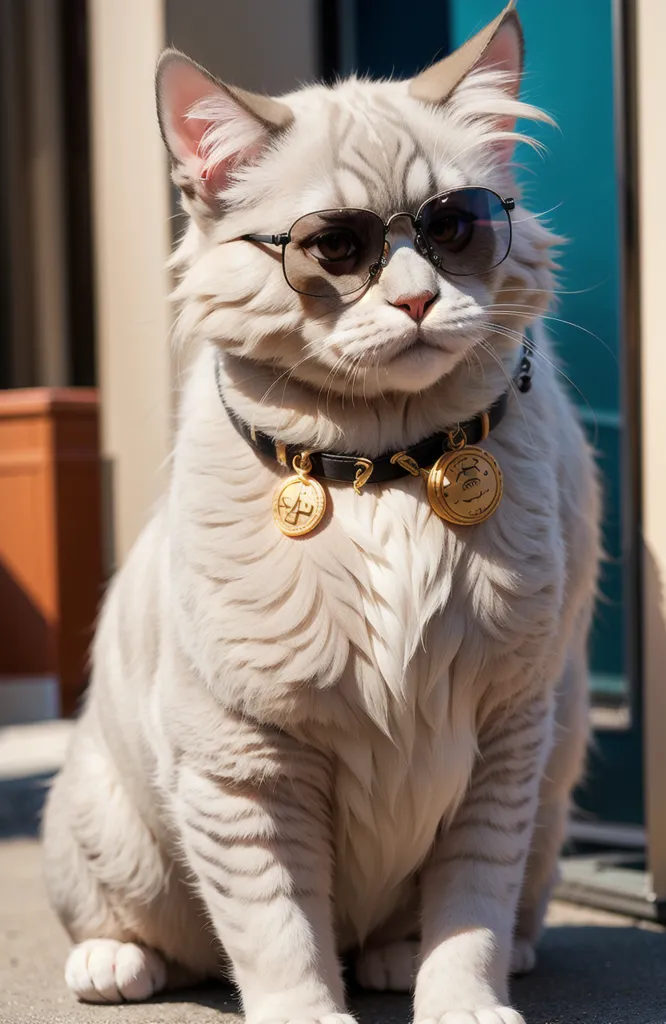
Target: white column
(651,83)
(131,244)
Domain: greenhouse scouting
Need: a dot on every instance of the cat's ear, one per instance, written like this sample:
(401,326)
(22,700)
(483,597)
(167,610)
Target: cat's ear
(210,128)
(497,47)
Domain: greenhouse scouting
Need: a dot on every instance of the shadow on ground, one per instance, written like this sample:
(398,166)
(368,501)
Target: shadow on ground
(586,975)
(594,968)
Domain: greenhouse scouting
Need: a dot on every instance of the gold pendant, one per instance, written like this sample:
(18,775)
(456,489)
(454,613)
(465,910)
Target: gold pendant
(300,502)
(465,486)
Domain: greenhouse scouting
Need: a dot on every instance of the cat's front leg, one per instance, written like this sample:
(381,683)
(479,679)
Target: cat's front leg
(256,832)
(470,886)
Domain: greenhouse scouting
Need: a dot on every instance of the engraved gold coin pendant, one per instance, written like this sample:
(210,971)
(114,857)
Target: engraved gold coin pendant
(465,486)
(299,505)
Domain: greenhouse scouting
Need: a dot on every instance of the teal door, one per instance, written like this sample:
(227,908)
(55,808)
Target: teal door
(570,73)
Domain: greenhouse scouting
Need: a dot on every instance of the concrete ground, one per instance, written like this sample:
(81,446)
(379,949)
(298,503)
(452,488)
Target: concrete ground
(594,968)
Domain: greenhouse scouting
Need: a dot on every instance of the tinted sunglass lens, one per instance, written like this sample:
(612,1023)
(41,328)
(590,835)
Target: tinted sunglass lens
(332,252)
(466,231)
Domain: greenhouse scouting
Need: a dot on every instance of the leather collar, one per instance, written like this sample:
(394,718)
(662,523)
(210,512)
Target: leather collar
(392,465)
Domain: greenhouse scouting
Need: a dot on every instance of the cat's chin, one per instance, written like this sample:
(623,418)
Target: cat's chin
(416,369)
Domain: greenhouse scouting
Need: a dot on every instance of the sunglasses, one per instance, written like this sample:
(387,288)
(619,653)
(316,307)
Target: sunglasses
(464,232)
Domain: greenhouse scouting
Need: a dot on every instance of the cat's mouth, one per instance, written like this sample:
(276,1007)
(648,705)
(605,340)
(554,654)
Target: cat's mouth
(415,346)
(419,355)
(420,344)
(447,340)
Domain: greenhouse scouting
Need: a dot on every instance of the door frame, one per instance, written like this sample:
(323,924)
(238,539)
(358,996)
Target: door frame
(649,147)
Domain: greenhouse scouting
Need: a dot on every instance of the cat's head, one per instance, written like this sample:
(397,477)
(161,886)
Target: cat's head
(253,165)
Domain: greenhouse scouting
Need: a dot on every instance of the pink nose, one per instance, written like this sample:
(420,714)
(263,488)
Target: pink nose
(415,306)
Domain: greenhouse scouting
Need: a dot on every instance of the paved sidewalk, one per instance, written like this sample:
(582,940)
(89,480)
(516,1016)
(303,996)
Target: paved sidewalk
(594,968)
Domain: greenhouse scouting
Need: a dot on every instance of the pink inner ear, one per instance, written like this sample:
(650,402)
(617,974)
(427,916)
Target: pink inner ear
(183,86)
(207,131)
(215,179)
(505,53)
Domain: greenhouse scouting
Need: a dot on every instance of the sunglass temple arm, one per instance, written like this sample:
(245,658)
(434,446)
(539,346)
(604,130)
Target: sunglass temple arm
(267,239)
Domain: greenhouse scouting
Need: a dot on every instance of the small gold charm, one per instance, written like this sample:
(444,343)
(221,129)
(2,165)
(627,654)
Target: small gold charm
(465,486)
(407,462)
(364,469)
(300,502)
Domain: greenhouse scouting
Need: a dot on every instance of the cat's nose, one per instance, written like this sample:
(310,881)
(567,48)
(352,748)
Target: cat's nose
(415,306)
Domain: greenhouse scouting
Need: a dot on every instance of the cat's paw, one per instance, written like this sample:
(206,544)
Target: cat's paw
(391,967)
(523,956)
(106,971)
(486,1015)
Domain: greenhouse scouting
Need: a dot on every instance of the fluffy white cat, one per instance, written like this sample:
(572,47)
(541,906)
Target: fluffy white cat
(363,739)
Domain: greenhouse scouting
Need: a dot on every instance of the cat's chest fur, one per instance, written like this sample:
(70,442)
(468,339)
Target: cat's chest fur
(375,638)
(450,618)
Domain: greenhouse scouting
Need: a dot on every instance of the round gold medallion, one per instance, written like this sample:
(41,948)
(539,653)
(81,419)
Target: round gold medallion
(299,505)
(465,486)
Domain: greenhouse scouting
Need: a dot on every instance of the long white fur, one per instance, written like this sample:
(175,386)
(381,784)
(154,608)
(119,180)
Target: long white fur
(292,748)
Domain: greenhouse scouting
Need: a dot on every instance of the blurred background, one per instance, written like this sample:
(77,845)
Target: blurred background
(87,378)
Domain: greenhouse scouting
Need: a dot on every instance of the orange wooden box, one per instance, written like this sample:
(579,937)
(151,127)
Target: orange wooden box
(51,574)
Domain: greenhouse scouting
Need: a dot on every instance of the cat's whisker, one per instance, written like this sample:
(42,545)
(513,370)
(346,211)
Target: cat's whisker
(536,353)
(510,309)
(472,353)
(344,362)
(484,344)
(537,216)
(331,373)
(551,291)
(365,382)
(357,369)
(287,373)
(355,361)
(310,348)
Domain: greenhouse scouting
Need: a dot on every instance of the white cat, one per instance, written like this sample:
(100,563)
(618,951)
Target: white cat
(364,738)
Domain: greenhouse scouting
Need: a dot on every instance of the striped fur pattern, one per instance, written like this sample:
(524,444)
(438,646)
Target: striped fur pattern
(364,740)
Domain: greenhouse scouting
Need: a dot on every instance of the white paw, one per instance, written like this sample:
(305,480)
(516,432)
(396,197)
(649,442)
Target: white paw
(106,971)
(523,956)
(391,967)
(487,1015)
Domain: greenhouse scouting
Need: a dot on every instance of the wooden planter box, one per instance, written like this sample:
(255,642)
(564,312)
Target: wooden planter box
(51,573)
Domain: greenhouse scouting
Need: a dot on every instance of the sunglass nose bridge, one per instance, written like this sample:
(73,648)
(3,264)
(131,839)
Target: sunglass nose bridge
(396,216)
(420,243)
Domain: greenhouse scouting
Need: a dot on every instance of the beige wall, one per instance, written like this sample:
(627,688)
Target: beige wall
(131,243)
(651,71)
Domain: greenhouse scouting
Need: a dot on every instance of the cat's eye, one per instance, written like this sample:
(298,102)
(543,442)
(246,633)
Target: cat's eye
(333,253)
(467,231)
(451,228)
(333,246)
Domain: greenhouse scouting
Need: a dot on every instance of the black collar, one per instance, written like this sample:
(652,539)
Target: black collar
(392,465)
